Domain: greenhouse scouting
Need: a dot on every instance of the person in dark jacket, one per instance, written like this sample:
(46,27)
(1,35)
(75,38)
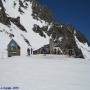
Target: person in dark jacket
(28,51)
(31,51)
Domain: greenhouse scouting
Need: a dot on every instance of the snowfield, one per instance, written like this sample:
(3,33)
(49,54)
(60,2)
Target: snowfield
(45,73)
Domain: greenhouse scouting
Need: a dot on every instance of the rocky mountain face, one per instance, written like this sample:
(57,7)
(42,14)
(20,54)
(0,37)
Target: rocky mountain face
(67,37)
(64,36)
(34,25)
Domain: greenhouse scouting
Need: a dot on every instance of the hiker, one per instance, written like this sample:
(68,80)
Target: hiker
(28,52)
(55,51)
(31,51)
(44,51)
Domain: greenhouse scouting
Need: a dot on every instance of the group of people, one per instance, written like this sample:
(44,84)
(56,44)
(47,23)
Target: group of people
(29,51)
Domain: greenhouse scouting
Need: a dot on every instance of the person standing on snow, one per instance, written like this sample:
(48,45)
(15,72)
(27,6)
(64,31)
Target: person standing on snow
(28,51)
(31,51)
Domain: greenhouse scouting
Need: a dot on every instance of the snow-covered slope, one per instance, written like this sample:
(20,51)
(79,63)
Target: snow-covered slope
(27,21)
(84,48)
(5,39)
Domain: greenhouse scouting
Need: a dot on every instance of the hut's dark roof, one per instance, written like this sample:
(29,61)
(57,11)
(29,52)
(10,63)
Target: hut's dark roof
(13,43)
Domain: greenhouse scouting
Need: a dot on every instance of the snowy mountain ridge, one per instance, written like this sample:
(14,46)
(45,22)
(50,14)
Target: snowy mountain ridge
(27,20)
